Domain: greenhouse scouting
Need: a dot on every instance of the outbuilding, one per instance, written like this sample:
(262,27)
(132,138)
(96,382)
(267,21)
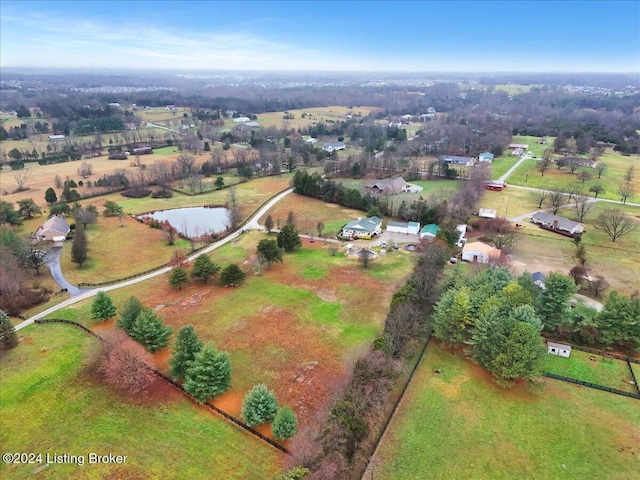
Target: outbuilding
(478,252)
(559,349)
(429,231)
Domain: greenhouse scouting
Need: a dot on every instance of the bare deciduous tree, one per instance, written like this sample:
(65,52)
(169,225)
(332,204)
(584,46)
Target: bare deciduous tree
(583,206)
(85,170)
(539,197)
(629,174)
(584,175)
(21,176)
(600,168)
(625,192)
(543,165)
(555,200)
(615,223)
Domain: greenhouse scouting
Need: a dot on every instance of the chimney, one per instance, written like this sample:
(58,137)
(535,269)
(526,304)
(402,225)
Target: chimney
(555,224)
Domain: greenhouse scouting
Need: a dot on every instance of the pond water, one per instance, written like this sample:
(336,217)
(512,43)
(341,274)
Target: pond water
(194,221)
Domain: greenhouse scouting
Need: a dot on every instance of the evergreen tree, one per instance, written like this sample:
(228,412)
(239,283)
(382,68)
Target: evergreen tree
(28,208)
(203,268)
(128,313)
(187,347)
(268,223)
(178,278)
(452,316)
(149,330)
(619,322)
(285,424)
(79,247)
(289,239)
(209,374)
(232,275)
(553,304)
(259,406)
(521,355)
(269,251)
(102,307)
(8,336)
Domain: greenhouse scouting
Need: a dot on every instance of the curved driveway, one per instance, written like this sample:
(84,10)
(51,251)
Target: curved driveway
(252,224)
(53,263)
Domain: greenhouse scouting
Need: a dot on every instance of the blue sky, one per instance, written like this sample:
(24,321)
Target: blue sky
(453,36)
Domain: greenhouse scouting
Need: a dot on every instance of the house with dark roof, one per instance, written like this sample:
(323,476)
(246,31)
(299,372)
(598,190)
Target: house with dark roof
(580,161)
(538,278)
(456,160)
(557,224)
(387,186)
(362,228)
(53,230)
(520,146)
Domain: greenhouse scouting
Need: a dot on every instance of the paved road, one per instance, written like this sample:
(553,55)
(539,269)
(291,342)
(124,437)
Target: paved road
(53,262)
(252,224)
(503,178)
(149,124)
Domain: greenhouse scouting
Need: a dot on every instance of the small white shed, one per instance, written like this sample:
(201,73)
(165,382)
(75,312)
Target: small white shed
(559,349)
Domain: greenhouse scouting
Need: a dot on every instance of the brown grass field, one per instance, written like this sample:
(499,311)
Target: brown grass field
(292,328)
(314,115)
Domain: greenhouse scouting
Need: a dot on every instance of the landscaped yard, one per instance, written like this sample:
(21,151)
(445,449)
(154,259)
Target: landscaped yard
(51,403)
(460,424)
(607,372)
(291,328)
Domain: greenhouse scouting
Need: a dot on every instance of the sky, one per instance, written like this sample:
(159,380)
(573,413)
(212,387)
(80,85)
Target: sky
(381,36)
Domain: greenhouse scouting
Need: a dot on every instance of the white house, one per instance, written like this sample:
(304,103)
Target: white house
(56,137)
(478,252)
(487,213)
(333,146)
(462,230)
(311,140)
(559,349)
(242,119)
(362,228)
(53,230)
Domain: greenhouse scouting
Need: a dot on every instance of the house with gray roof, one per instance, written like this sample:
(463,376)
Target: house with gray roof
(53,230)
(333,146)
(387,186)
(362,228)
(557,224)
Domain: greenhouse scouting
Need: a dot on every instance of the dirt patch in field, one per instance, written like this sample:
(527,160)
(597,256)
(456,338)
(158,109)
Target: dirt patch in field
(102,327)
(229,402)
(307,367)
(161,359)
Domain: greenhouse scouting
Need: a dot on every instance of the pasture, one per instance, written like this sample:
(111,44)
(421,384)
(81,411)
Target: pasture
(52,403)
(460,424)
(607,372)
(292,327)
(618,262)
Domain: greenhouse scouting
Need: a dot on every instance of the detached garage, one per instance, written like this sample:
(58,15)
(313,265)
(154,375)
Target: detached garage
(403,227)
(478,252)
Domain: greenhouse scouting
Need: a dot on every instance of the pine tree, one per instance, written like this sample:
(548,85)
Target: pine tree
(268,223)
(452,316)
(79,247)
(128,313)
(209,374)
(203,268)
(187,347)
(149,330)
(232,275)
(289,239)
(50,196)
(102,307)
(8,336)
(285,425)
(178,278)
(259,406)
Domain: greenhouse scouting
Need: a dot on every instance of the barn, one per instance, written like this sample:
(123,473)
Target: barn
(478,252)
(403,227)
(559,349)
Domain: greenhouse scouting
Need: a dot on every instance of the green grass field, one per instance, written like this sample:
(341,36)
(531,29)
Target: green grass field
(606,372)
(52,404)
(313,307)
(459,424)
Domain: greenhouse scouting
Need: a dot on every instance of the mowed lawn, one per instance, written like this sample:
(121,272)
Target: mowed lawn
(292,327)
(607,372)
(51,403)
(459,424)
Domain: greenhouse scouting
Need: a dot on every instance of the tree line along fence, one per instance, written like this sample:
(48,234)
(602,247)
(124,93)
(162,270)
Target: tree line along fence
(160,267)
(176,385)
(395,407)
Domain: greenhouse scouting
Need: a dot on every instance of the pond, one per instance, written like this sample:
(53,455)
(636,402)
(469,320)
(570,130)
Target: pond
(194,221)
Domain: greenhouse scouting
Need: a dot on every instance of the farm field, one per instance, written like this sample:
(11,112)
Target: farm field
(313,115)
(52,403)
(514,88)
(459,424)
(619,262)
(309,211)
(292,327)
(607,372)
